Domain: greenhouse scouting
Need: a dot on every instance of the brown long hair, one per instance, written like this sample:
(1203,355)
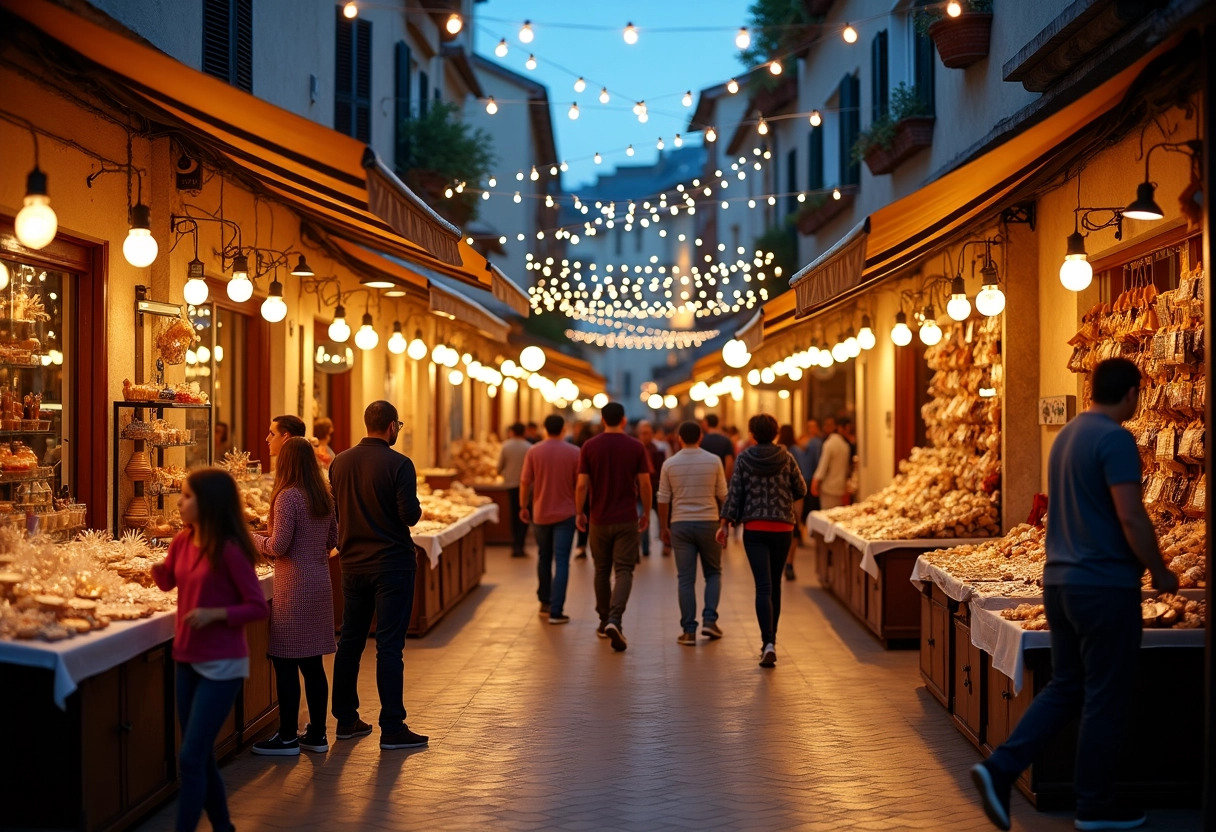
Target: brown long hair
(220,519)
(297,467)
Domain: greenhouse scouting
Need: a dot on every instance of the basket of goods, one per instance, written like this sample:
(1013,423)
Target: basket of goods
(175,339)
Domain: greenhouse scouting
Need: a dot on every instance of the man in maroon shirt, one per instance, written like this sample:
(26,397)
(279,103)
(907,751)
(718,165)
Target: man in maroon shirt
(614,469)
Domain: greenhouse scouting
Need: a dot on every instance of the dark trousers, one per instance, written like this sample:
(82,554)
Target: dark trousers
(614,548)
(390,597)
(202,706)
(287,674)
(519,529)
(553,542)
(766,554)
(1095,643)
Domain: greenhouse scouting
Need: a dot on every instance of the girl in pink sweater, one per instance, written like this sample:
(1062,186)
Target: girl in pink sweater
(211,564)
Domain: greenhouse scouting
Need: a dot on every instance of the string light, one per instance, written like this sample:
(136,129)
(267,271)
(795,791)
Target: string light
(598,158)
(849,34)
(573,114)
(954,8)
(836,193)
(678,140)
(580,84)
(604,97)
(531,62)
(762,127)
(775,67)
(454,24)
(491,106)
(534,175)
(711,135)
(816,118)
(630,34)
(525,32)
(686,100)
(743,39)
(660,144)
(732,86)
(629,150)
(501,49)
(350,11)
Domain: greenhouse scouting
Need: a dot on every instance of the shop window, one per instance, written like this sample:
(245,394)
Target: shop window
(228,41)
(814,156)
(401,97)
(849,97)
(353,77)
(878,76)
(215,363)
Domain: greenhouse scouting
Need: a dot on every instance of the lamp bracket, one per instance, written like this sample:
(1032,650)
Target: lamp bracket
(1021,214)
(1115,220)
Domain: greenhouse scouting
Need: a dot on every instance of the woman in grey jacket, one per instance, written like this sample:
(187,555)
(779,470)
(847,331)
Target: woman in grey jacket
(764,496)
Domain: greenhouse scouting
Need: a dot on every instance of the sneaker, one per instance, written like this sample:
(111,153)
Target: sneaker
(278,747)
(711,630)
(402,737)
(614,634)
(600,632)
(687,640)
(544,610)
(1111,819)
(768,657)
(314,741)
(354,730)
(789,571)
(559,619)
(994,789)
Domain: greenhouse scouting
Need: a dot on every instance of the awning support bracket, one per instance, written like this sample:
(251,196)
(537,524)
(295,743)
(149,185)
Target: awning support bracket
(1021,214)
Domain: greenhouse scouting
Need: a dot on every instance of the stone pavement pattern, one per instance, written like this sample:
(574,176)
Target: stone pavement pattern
(535,726)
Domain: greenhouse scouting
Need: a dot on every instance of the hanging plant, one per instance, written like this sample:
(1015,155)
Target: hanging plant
(960,41)
(437,151)
(906,128)
(923,18)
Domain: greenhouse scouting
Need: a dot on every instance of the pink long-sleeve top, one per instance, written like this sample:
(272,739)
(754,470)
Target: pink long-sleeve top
(234,586)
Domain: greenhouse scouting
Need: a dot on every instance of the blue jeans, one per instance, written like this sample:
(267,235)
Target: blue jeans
(766,554)
(688,540)
(202,707)
(553,541)
(390,597)
(1095,644)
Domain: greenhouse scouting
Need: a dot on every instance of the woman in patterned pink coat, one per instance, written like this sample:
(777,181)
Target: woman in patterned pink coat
(303,530)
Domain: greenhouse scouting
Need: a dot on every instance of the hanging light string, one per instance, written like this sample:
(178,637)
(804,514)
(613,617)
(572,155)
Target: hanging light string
(670,339)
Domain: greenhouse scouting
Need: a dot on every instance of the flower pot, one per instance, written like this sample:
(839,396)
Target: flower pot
(912,135)
(963,40)
(811,220)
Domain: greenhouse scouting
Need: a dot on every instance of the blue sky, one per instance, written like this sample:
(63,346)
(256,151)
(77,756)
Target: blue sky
(657,69)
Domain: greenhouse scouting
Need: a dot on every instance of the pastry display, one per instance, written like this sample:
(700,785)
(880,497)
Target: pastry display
(443,507)
(1007,567)
(476,463)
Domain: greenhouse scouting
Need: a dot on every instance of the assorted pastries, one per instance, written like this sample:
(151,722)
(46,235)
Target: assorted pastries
(476,462)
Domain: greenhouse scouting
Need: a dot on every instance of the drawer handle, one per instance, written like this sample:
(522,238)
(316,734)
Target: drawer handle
(1006,694)
(932,642)
(967,682)
(966,668)
(127,727)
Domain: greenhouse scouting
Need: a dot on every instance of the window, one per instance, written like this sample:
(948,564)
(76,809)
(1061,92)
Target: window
(222,334)
(814,159)
(401,98)
(878,76)
(228,41)
(424,85)
(353,78)
(791,181)
(850,125)
(924,57)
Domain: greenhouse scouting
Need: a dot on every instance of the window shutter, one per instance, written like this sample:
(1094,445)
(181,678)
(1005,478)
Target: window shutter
(791,181)
(879,98)
(401,97)
(925,57)
(216,29)
(243,40)
(344,116)
(424,94)
(228,41)
(363,81)
(850,126)
(814,180)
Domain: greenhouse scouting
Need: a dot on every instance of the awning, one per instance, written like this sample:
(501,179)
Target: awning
(316,171)
(560,365)
(752,332)
(392,200)
(505,290)
(370,264)
(456,307)
(915,225)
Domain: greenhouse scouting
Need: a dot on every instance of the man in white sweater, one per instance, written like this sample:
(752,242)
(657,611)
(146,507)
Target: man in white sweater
(831,481)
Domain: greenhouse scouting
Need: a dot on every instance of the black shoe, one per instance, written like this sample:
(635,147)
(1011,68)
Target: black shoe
(711,630)
(614,634)
(354,730)
(314,741)
(600,633)
(278,747)
(994,788)
(1111,819)
(402,737)
(789,571)
(544,610)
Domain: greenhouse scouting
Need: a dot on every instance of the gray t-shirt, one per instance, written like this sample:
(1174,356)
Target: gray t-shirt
(511,460)
(1085,541)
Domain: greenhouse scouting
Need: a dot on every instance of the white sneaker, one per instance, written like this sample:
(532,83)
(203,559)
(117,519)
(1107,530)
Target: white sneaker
(769,657)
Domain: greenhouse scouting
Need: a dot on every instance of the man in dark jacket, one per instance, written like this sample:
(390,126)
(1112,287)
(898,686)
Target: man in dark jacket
(376,497)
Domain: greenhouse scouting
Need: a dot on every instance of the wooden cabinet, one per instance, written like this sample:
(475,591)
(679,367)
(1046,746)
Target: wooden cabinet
(968,688)
(438,589)
(936,644)
(258,703)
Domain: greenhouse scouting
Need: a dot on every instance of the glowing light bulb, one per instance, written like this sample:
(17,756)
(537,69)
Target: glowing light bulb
(339,331)
(36,223)
(840,353)
(350,11)
(711,135)
(240,288)
(678,141)
(930,332)
(849,34)
(865,338)
(367,338)
(1076,273)
(835,193)
(501,49)
(3,276)
(660,144)
(491,106)
(743,39)
(959,308)
(990,301)
(598,158)
(274,309)
(396,341)
(532,359)
(580,84)
(139,248)
(630,34)
(629,150)
(762,127)
(775,67)
(599,400)
(203,355)
(767,375)
(954,8)
(573,113)
(531,62)
(454,24)
(417,348)
(604,97)
(732,86)
(525,32)
(816,118)
(901,334)
(686,100)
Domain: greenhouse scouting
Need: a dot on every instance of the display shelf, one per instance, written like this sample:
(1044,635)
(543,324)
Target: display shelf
(13,434)
(26,476)
(154,404)
(35,363)
(153,444)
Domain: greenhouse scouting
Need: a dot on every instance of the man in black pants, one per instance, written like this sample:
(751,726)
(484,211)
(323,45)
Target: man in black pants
(1099,542)
(376,497)
(511,466)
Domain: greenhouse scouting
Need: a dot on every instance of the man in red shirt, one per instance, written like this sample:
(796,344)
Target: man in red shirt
(547,484)
(614,469)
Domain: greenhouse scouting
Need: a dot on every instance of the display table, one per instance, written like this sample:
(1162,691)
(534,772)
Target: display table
(97,727)
(871,577)
(497,533)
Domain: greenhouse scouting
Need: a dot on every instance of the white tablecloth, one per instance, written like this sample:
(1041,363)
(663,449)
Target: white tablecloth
(433,544)
(816,522)
(76,659)
(924,572)
(1006,642)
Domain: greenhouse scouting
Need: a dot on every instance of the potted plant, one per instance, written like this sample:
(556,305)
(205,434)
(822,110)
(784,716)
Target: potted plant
(819,209)
(438,151)
(904,131)
(962,40)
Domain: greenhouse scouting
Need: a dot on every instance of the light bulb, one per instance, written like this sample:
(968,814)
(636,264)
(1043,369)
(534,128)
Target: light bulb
(3,276)
(816,118)
(629,150)
(732,86)
(203,355)
(491,106)
(455,378)
(532,358)
(743,39)
(501,49)
(990,301)
(930,332)
(753,377)
(580,84)
(598,158)
(525,32)
(36,223)
(767,375)
(795,374)
(630,34)
(840,353)
(604,97)
(367,338)
(686,100)
(835,193)
(140,246)
(849,34)
(396,341)
(852,346)
(678,141)
(350,11)
(1076,273)
(735,354)
(901,334)
(954,8)
(775,67)
(274,309)
(865,337)
(240,288)
(599,400)
(510,385)
(959,308)
(438,353)
(660,144)
(573,113)
(762,127)
(454,24)
(339,331)
(711,135)
(417,348)
(825,357)
(531,62)
(518,199)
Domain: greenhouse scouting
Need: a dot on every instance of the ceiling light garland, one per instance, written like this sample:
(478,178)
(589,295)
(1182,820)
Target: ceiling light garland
(670,340)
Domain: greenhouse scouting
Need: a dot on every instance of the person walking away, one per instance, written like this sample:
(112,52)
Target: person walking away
(1099,542)
(376,499)
(323,433)
(612,472)
(510,465)
(831,480)
(718,443)
(692,487)
(547,484)
(210,562)
(303,530)
(531,433)
(763,498)
(583,433)
(785,438)
(655,458)
(282,428)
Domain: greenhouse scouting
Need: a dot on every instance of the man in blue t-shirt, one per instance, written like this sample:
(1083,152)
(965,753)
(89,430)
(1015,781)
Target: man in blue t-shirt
(1099,542)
